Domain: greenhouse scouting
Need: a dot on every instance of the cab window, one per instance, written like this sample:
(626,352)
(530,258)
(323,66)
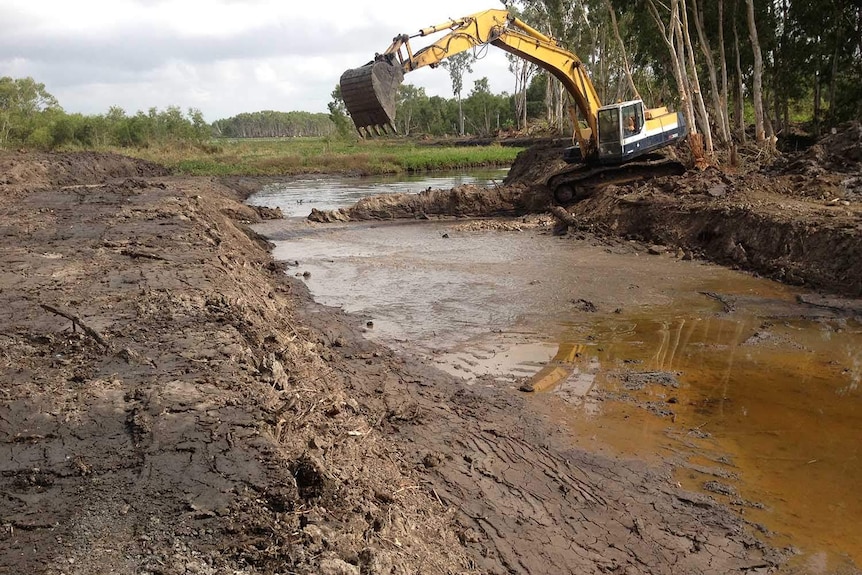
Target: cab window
(633,119)
(609,125)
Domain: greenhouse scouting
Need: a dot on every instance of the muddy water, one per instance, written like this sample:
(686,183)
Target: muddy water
(754,395)
(298,195)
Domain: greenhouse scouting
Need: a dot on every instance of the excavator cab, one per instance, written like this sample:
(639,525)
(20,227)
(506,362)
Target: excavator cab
(628,130)
(621,126)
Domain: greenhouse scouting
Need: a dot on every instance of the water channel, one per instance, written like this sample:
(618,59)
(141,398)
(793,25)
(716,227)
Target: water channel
(749,388)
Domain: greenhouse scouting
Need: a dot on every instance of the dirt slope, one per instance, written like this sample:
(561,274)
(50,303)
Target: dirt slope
(172,403)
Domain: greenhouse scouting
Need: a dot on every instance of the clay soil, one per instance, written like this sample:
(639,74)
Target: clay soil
(172,402)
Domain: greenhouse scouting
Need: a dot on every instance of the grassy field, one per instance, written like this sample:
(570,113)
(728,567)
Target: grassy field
(318,155)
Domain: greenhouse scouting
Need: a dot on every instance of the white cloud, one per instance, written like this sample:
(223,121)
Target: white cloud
(224,57)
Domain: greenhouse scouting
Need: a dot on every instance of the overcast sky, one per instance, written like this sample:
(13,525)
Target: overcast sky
(221,56)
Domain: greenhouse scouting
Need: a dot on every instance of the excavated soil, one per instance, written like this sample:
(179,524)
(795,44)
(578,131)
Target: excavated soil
(171,402)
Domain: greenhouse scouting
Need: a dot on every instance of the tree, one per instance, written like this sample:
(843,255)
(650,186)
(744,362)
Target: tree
(622,47)
(22,100)
(719,106)
(670,37)
(457,65)
(338,113)
(485,111)
(693,79)
(523,70)
(757,81)
(409,101)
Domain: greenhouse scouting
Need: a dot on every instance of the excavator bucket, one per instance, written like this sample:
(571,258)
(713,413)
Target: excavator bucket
(369,94)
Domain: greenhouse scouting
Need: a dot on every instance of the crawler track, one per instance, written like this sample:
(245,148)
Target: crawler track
(580,181)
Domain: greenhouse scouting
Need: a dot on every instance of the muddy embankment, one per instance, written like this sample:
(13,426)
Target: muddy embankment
(797,219)
(173,403)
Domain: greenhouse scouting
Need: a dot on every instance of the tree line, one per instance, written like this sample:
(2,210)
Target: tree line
(31,117)
(738,70)
(271,124)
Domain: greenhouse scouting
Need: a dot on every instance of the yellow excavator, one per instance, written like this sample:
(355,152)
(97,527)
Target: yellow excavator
(614,134)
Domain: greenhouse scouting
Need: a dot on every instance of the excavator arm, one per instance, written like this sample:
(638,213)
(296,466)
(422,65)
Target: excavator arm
(369,92)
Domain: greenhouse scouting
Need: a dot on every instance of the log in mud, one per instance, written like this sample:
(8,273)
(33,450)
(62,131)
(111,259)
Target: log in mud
(222,422)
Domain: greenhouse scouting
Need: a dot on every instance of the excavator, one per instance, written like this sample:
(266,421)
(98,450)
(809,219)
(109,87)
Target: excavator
(617,144)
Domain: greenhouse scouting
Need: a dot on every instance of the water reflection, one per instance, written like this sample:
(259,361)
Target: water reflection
(297,196)
(776,397)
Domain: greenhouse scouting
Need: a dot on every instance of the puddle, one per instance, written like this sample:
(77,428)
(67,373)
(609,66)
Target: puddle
(649,356)
(773,402)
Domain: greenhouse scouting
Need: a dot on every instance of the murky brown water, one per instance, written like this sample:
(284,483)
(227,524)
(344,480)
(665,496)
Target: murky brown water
(773,401)
(764,390)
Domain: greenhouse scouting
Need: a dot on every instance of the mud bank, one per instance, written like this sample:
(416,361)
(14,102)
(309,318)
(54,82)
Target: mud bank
(797,220)
(172,403)
(462,201)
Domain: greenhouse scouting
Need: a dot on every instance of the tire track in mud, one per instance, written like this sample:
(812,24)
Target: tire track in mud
(526,502)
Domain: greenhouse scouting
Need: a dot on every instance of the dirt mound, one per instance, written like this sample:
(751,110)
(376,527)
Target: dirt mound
(839,151)
(461,201)
(536,162)
(764,223)
(836,158)
(72,169)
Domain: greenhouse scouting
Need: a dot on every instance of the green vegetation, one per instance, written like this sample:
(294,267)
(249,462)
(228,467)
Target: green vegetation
(270,124)
(322,155)
(31,117)
(298,142)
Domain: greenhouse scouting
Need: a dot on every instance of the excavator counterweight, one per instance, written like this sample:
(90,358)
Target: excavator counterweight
(369,94)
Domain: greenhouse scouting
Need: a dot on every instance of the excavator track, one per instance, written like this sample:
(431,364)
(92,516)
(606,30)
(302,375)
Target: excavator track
(578,182)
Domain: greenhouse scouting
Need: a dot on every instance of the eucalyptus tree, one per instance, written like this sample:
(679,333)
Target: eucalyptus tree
(409,101)
(22,101)
(458,65)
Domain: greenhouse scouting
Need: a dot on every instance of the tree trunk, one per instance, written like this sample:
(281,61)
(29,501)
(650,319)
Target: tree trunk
(725,117)
(626,66)
(831,116)
(676,28)
(526,72)
(668,35)
(759,131)
(723,133)
(562,96)
(695,81)
(739,108)
(671,34)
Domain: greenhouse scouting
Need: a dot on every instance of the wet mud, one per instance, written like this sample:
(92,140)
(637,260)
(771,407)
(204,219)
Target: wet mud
(173,402)
(748,387)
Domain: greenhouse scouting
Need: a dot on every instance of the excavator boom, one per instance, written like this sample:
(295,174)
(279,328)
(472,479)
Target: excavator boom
(370,92)
(615,133)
